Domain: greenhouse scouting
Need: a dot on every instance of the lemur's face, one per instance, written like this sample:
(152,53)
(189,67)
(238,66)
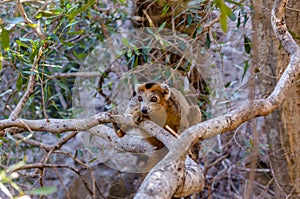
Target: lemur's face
(151,96)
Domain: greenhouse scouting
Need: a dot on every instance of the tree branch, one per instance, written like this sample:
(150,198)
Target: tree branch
(157,177)
(280,29)
(18,109)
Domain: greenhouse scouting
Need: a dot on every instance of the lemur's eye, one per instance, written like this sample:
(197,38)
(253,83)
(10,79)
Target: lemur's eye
(153,99)
(140,99)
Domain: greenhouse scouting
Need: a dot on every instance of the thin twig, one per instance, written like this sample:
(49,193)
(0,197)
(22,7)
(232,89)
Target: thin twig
(36,27)
(18,109)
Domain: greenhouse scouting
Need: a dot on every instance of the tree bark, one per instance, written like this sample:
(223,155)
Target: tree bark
(265,54)
(290,109)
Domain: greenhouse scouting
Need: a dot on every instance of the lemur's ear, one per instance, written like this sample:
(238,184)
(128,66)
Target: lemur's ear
(166,91)
(136,87)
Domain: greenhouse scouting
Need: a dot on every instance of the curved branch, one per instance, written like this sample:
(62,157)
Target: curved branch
(280,29)
(222,124)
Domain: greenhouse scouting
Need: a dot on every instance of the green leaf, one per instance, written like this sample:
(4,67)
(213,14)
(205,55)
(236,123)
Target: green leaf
(225,11)
(199,30)
(14,20)
(245,20)
(30,72)
(207,42)
(129,53)
(92,160)
(125,41)
(75,32)
(223,22)
(5,39)
(165,9)
(43,190)
(38,16)
(61,85)
(239,20)
(235,3)
(189,20)
(71,24)
(19,83)
(10,137)
(22,44)
(161,26)
(246,66)
(68,43)
(81,9)
(231,15)
(55,37)
(1,58)
(48,13)
(247,44)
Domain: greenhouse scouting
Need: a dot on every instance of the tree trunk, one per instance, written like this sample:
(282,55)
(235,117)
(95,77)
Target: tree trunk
(282,127)
(290,110)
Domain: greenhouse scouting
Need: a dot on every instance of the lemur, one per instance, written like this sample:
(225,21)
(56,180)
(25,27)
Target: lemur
(163,105)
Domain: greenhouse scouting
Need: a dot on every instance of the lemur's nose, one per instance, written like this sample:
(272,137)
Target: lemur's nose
(144,110)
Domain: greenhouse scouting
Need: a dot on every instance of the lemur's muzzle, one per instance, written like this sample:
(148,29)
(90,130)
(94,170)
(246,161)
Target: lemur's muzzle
(144,110)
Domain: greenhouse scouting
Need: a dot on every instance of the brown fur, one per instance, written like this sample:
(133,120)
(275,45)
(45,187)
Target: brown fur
(167,111)
(171,109)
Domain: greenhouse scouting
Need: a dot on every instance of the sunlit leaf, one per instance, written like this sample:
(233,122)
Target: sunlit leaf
(161,26)
(81,9)
(5,39)
(38,16)
(32,25)
(223,22)
(22,44)
(225,11)
(47,13)
(5,190)
(75,32)
(129,53)
(165,10)
(125,41)
(1,59)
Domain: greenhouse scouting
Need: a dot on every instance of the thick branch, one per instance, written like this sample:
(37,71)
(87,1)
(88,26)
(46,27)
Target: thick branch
(57,125)
(280,29)
(91,125)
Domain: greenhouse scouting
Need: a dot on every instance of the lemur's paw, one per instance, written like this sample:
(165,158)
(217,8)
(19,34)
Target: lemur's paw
(136,119)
